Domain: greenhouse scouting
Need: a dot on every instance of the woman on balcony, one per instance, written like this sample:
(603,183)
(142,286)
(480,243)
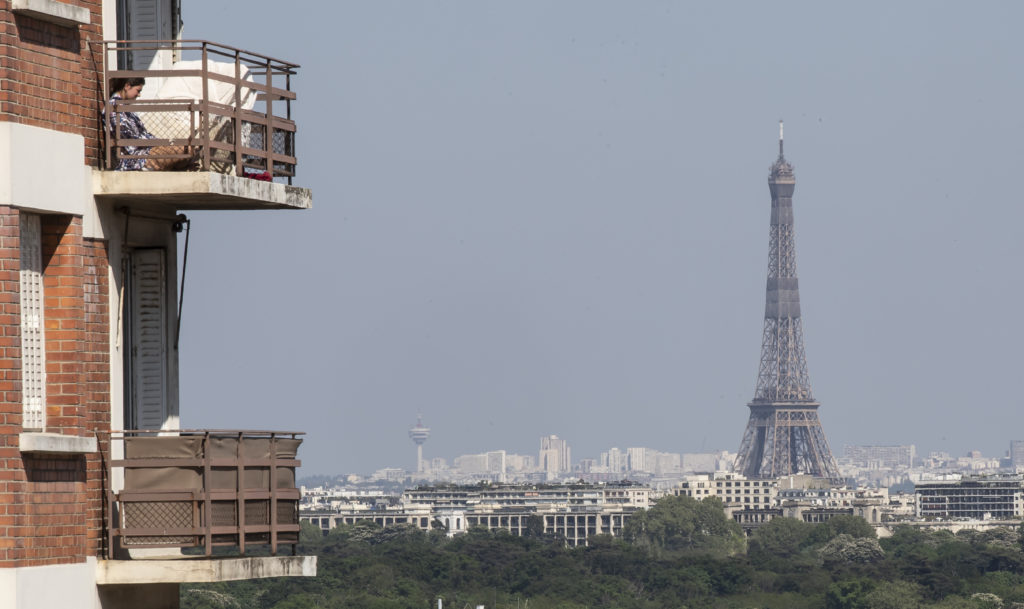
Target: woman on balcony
(128,125)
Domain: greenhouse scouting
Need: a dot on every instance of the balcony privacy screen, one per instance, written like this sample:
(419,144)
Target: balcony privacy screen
(208,489)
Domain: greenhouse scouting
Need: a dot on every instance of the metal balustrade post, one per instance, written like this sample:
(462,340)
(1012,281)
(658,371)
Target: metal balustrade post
(240,491)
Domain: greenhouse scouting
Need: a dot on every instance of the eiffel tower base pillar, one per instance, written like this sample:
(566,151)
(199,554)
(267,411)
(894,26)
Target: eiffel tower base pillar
(782,439)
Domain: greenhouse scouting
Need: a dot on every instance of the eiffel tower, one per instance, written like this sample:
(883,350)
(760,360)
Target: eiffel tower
(783,435)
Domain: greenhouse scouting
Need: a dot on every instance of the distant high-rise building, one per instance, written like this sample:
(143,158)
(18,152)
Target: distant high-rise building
(472,464)
(1017,453)
(554,455)
(783,435)
(614,461)
(881,456)
(419,434)
(708,462)
(637,459)
(496,464)
(666,463)
(519,463)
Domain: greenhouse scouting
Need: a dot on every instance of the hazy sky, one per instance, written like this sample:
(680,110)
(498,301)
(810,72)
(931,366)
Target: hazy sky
(539,218)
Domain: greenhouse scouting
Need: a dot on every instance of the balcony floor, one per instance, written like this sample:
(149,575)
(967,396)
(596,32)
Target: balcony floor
(202,569)
(196,190)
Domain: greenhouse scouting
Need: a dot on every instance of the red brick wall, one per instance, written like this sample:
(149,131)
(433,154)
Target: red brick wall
(50,516)
(50,74)
(51,505)
(12,471)
(63,314)
(96,371)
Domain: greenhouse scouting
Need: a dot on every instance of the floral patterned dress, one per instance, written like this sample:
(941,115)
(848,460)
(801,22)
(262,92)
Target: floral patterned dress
(128,125)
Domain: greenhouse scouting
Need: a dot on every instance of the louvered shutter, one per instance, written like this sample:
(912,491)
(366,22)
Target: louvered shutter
(33,344)
(144,24)
(150,20)
(149,339)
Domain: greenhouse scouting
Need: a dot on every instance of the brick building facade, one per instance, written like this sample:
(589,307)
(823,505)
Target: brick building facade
(88,286)
(52,502)
(50,76)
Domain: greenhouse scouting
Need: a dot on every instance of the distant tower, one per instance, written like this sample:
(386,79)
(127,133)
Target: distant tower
(419,435)
(1017,453)
(783,435)
(554,455)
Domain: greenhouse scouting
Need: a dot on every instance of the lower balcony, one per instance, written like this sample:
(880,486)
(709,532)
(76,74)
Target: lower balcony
(199,506)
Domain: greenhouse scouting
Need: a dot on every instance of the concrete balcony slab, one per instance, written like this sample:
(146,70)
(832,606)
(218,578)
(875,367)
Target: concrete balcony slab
(193,570)
(196,190)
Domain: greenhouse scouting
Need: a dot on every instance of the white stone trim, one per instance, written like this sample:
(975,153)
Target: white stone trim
(53,11)
(27,183)
(55,443)
(69,586)
(33,323)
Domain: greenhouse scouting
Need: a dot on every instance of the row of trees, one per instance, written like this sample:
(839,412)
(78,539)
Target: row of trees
(681,553)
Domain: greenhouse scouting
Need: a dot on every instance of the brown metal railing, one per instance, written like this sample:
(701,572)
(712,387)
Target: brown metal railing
(236,116)
(204,488)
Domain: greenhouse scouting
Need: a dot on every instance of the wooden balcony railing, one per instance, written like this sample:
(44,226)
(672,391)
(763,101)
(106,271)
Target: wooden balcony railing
(210,108)
(204,489)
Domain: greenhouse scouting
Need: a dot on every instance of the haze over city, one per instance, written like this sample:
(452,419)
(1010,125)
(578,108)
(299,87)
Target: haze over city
(536,218)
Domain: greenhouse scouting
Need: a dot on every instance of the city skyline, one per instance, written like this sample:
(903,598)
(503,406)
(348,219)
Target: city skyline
(536,219)
(450,457)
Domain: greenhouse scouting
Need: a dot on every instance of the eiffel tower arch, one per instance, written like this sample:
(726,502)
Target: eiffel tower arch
(783,435)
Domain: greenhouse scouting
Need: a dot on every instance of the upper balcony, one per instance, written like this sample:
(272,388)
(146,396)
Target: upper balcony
(185,493)
(213,131)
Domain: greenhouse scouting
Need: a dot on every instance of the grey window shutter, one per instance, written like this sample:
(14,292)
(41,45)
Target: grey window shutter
(149,338)
(150,20)
(33,342)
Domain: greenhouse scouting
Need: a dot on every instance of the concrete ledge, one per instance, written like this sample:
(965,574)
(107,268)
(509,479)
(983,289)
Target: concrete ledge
(31,185)
(196,190)
(116,572)
(50,586)
(52,11)
(29,442)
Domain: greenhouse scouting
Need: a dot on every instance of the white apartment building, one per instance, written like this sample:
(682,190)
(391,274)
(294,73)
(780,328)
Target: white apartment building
(980,498)
(575,512)
(732,489)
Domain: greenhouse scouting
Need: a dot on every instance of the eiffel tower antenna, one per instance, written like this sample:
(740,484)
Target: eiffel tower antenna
(780,138)
(783,435)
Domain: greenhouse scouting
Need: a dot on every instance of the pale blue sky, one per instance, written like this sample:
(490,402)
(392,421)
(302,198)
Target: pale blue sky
(552,217)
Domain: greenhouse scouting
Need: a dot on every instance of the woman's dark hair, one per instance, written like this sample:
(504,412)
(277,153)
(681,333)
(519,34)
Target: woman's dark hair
(116,84)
